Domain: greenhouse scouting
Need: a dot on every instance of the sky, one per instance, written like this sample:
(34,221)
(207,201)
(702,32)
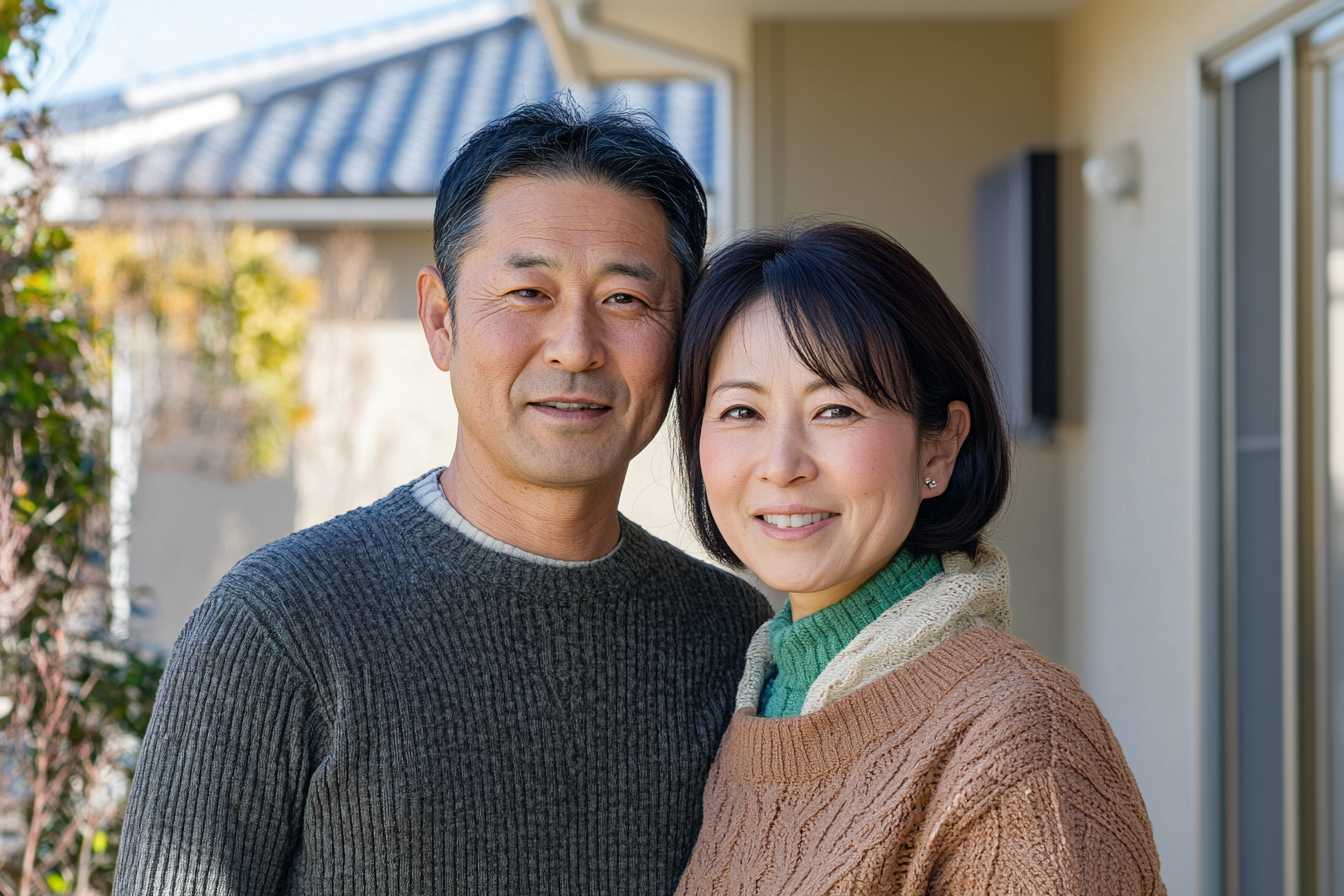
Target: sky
(97,46)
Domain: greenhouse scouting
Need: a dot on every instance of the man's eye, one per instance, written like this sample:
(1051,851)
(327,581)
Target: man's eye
(527,293)
(622,298)
(739,413)
(836,412)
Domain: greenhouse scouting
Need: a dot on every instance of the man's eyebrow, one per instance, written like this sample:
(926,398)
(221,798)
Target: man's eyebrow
(638,270)
(532,260)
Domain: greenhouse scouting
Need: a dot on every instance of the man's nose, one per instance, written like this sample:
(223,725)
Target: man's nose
(575,342)
(786,459)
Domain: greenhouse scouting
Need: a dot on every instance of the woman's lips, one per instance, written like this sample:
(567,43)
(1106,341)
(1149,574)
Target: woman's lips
(794,533)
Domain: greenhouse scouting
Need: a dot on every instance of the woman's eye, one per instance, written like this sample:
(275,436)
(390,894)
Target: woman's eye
(739,413)
(836,412)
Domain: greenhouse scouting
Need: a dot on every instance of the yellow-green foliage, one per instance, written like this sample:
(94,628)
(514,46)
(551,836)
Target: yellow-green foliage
(234,302)
(270,308)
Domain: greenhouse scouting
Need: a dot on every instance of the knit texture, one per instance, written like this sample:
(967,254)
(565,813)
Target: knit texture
(969,592)
(978,767)
(803,649)
(383,704)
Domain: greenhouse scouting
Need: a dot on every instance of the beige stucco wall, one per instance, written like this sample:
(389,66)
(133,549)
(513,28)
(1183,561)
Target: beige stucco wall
(890,123)
(1134,545)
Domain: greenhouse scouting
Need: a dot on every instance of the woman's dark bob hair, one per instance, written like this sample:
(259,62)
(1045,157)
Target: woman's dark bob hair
(859,311)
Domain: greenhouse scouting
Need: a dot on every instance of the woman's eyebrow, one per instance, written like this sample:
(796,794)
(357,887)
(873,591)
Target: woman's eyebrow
(753,386)
(816,386)
(749,385)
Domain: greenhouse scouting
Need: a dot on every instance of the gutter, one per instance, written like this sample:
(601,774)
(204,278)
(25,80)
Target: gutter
(576,17)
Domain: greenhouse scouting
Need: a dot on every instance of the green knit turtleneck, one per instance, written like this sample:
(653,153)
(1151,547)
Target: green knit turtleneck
(802,649)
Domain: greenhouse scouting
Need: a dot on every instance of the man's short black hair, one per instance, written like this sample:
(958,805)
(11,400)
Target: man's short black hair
(619,148)
(858,310)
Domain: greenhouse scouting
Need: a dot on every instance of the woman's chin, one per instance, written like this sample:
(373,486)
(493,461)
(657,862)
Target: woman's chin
(796,584)
(790,567)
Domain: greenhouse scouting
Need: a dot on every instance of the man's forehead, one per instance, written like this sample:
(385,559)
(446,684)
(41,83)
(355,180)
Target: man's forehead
(544,224)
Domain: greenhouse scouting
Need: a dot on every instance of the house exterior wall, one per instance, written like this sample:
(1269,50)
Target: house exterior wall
(890,123)
(190,526)
(187,530)
(1135,466)
(1108,529)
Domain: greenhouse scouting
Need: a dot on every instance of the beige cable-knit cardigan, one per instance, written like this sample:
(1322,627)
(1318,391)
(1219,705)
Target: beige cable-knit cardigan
(935,755)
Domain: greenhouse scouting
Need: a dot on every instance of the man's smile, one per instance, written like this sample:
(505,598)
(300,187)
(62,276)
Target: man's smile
(571,409)
(572,405)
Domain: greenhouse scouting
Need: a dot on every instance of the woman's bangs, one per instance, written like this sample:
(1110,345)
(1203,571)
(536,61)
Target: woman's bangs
(846,341)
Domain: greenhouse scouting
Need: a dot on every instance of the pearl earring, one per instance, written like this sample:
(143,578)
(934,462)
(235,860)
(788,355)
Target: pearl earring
(931,483)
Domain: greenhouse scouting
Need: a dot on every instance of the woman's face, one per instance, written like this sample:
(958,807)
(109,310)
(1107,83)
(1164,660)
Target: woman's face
(813,487)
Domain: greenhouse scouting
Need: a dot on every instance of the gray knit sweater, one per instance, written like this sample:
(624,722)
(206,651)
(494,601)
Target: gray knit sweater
(386,703)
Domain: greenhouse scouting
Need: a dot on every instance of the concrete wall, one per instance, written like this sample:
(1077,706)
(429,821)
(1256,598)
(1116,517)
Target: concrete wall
(890,123)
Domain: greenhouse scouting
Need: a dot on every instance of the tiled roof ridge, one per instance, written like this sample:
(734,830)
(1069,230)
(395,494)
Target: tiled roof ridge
(374,127)
(325,56)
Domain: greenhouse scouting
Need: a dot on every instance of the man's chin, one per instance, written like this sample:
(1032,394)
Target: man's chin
(570,468)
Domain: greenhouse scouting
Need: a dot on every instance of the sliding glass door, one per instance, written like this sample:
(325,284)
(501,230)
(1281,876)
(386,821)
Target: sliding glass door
(1258,622)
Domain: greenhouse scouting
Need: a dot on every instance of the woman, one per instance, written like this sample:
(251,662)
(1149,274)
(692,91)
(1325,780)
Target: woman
(840,438)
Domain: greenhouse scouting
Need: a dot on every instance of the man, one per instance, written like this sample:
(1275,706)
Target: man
(488,681)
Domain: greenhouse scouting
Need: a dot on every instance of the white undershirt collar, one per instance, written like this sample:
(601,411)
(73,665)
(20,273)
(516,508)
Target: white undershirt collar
(430,496)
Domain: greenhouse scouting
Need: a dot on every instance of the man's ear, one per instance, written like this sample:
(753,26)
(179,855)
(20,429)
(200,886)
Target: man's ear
(434,316)
(940,452)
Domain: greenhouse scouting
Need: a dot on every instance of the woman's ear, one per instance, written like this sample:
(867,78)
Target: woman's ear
(435,316)
(940,452)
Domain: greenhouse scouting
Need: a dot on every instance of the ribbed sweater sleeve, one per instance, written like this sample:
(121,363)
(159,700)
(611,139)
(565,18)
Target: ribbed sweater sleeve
(220,783)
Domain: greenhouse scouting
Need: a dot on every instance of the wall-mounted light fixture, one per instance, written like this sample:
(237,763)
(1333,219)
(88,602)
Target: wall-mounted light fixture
(1113,175)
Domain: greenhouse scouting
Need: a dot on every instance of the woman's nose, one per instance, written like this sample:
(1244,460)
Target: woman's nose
(787,459)
(575,344)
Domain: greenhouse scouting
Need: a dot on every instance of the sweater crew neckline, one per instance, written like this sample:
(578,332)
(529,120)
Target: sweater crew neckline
(810,745)
(429,493)
(802,649)
(477,555)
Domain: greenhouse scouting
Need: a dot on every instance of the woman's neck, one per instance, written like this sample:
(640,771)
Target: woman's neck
(805,604)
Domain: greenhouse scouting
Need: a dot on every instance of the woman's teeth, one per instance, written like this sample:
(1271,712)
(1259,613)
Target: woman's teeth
(794,520)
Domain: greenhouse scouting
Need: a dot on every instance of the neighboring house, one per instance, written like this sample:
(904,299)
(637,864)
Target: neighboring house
(1176,542)
(341,142)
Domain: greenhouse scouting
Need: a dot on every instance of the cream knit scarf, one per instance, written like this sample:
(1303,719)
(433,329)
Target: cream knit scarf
(969,592)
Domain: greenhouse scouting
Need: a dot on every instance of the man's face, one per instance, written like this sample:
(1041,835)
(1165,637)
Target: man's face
(567,310)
